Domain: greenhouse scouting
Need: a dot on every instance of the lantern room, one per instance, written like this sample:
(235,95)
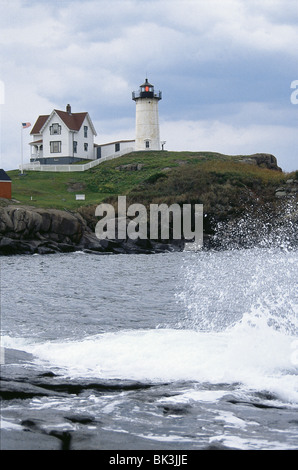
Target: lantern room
(146,91)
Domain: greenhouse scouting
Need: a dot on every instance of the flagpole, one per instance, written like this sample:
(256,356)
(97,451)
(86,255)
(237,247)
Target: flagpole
(21,149)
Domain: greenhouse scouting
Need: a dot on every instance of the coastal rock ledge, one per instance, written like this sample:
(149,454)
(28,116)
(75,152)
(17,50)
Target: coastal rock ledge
(30,230)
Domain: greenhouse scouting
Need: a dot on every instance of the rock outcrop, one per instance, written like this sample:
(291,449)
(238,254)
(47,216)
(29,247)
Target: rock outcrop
(32,230)
(28,230)
(265,160)
(288,190)
(130,167)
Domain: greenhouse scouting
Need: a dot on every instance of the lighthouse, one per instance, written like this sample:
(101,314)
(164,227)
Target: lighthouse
(147,122)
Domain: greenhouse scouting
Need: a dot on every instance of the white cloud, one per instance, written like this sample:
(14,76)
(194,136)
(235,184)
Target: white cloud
(116,129)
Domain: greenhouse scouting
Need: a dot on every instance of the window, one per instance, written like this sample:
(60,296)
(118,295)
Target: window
(85,131)
(55,129)
(147,144)
(117,147)
(86,147)
(75,146)
(147,89)
(55,146)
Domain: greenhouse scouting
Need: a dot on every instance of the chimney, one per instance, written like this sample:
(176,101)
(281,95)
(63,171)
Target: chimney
(68,109)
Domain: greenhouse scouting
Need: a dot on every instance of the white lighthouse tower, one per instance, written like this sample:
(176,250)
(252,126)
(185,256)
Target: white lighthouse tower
(147,122)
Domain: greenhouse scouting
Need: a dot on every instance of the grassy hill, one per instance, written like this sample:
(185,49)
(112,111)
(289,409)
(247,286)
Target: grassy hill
(202,177)
(229,187)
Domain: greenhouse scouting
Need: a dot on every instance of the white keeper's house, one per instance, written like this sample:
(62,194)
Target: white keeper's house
(63,137)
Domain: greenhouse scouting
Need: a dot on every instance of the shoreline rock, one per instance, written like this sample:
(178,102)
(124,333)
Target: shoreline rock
(29,230)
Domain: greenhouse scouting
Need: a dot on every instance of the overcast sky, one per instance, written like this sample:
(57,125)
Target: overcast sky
(225,69)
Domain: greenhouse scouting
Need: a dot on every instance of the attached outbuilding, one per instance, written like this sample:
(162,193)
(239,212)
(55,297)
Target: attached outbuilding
(5,185)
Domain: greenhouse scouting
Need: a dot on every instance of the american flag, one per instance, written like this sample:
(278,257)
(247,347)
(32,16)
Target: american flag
(26,124)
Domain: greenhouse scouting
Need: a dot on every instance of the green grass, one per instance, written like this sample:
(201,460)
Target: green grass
(188,176)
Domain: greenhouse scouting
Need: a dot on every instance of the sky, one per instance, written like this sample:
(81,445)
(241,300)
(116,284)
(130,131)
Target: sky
(225,69)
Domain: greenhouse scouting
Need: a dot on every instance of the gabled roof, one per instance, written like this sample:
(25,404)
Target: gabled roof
(4,176)
(39,124)
(73,121)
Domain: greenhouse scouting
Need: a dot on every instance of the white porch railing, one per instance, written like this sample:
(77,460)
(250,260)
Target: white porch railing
(36,166)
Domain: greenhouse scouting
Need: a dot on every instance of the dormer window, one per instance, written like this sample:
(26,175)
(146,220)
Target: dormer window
(55,129)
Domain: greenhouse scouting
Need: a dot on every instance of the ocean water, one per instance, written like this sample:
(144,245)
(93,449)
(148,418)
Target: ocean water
(167,351)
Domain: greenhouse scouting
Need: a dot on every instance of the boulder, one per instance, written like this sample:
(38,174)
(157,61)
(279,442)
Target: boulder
(290,189)
(65,223)
(6,223)
(9,246)
(262,159)
(46,220)
(30,230)
(130,167)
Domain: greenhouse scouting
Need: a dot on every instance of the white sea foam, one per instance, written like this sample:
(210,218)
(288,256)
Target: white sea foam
(9,426)
(250,352)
